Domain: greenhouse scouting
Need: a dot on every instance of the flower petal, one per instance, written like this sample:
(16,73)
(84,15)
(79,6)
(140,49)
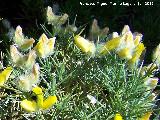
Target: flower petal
(27,44)
(125,53)
(138,51)
(51,100)
(38,91)
(110,45)
(85,45)
(118,117)
(29,106)
(4,75)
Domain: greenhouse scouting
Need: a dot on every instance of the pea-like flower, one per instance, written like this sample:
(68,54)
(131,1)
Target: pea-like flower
(110,45)
(118,117)
(84,44)
(127,45)
(55,19)
(22,42)
(45,46)
(136,55)
(21,60)
(39,103)
(4,75)
(27,81)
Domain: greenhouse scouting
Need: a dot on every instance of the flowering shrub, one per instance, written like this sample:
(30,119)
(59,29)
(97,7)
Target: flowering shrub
(71,77)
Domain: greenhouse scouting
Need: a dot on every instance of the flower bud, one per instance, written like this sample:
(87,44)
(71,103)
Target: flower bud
(85,45)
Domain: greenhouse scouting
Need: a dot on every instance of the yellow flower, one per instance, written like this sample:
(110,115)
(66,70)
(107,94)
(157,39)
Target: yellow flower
(23,43)
(127,45)
(146,116)
(128,40)
(38,91)
(49,102)
(4,75)
(125,49)
(29,106)
(136,55)
(130,47)
(122,44)
(125,53)
(39,104)
(26,82)
(118,117)
(55,19)
(110,45)
(45,46)
(156,55)
(85,45)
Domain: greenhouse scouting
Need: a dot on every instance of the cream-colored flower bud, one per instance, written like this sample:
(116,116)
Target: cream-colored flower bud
(153,96)
(18,36)
(92,99)
(94,28)
(21,41)
(151,83)
(63,19)
(55,19)
(50,15)
(27,81)
(125,29)
(16,56)
(27,44)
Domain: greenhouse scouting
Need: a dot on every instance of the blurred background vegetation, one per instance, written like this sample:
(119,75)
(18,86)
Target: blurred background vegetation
(31,13)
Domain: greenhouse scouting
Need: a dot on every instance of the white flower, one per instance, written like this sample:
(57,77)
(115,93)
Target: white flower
(92,99)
